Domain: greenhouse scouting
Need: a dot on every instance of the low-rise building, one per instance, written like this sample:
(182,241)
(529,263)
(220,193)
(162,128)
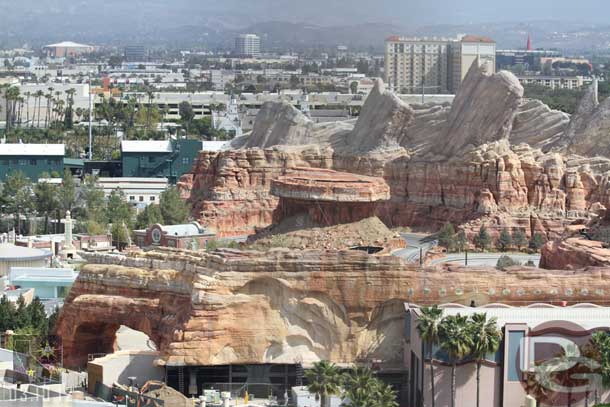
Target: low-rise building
(48,283)
(189,236)
(67,49)
(31,159)
(533,337)
(140,192)
(154,159)
(553,82)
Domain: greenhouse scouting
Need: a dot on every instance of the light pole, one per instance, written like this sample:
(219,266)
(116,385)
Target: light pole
(90,121)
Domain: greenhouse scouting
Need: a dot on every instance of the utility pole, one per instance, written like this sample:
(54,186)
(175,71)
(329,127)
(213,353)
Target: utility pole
(90,121)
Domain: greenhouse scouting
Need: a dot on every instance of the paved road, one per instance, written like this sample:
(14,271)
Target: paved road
(415,242)
(487,259)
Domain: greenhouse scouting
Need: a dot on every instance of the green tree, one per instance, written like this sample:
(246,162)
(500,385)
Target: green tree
(384,396)
(486,339)
(482,240)
(17,190)
(174,209)
(536,242)
(187,114)
(505,240)
(461,241)
(519,239)
(446,237)
(428,326)
(324,380)
(37,317)
(456,341)
(353,87)
(149,216)
(67,192)
(93,200)
(360,387)
(47,200)
(8,314)
(117,208)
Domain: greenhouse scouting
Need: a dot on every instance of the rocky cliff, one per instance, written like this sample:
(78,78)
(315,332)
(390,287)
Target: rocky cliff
(491,155)
(284,305)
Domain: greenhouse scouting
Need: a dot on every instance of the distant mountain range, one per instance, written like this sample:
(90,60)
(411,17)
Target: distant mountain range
(286,24)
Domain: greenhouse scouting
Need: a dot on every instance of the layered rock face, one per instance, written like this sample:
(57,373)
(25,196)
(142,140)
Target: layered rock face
(234,307)
(490,155)
(575,253)
(473,120)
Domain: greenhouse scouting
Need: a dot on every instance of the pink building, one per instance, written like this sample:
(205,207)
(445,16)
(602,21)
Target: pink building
(543,351)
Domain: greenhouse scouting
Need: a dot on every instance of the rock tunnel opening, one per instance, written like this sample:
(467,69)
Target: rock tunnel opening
(96,339)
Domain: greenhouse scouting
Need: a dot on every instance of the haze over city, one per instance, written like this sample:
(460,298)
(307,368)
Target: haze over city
(314,203)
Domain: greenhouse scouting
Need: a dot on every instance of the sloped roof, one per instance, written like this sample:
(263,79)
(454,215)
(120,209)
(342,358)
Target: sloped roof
(33,149)
(146,146)
(10,252)
(477,38)
(68,44)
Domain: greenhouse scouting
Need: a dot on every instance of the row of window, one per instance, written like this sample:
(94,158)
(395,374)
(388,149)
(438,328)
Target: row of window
(30,162)
(132,198)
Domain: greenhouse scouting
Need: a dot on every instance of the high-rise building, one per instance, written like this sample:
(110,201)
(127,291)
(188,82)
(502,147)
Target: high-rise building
(248,45)
(465,52)
(135,53)
(436,65)
(413,65)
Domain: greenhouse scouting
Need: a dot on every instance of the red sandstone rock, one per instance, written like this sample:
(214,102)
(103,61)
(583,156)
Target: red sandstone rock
(574,253)
(235,307)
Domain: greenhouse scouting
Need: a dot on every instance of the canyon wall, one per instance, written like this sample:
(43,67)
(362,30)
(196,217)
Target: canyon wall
(491,156)
(284,305)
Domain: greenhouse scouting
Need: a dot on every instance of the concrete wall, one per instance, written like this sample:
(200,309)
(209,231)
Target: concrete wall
(118,366)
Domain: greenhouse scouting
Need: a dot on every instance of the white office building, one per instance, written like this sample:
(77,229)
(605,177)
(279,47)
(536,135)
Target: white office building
(248,45)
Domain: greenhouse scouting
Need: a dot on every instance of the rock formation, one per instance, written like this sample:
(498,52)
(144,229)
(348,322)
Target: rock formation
(276,307)
(482,112)
(384,115)
(491,158)
(575,253)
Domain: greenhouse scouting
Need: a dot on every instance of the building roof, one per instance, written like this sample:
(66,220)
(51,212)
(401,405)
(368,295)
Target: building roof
(477,38)
(190,229)
(10,252)
(68,44)
(215,145)
(588,316)
(33,149)
(74,162)
(146,146)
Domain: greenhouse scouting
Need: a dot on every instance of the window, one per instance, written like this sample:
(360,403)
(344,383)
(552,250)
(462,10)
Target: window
(33,162)
(185,160)
(515,355)
(23,162)
(141,199)
(132,198)
(152,198)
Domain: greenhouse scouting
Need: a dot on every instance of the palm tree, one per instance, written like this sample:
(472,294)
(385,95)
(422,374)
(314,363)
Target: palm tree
(456,341)
(385,396)
(38,95)
(360,387)
(324,380)
(486,339)
(27,95)
(428,327)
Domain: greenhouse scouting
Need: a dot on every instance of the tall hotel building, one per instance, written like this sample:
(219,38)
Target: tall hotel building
(434,66)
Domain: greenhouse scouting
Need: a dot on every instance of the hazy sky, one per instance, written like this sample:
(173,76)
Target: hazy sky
(324,11)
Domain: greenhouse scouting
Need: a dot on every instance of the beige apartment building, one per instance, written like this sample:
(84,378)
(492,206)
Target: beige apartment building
(434,65)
